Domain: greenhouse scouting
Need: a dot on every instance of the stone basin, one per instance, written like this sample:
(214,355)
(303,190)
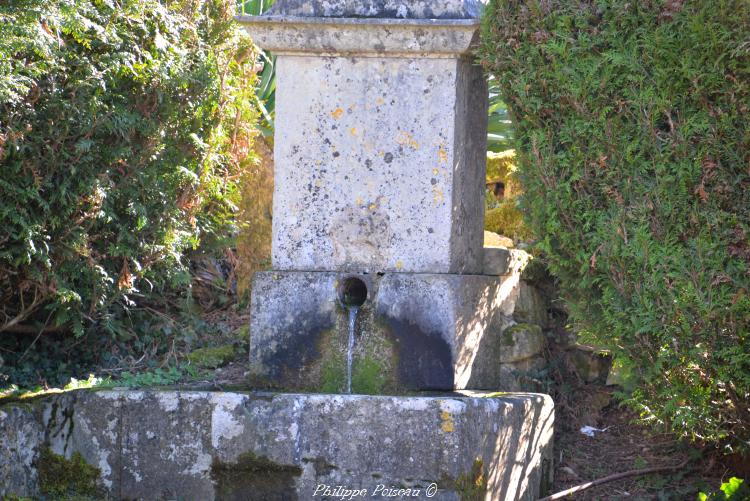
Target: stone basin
(193,445)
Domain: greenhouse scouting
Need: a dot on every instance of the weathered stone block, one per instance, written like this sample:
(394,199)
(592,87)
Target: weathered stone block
(530,306)
(496,261)
(415,331)
(225,446)
(492,239)
(524,375)
(382,131)
(21,436)
(591,364)
(407,9)
(376,191)
(522,341)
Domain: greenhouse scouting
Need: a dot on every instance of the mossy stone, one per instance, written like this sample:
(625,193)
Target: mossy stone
(211,358)
(369,376)
(61,478)
(470,486)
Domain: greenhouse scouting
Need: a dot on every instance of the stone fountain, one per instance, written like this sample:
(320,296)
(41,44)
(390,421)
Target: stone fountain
(375,341)
(381,125)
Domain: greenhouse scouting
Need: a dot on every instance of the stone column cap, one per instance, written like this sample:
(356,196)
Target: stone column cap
(410,28)
(395,9)
(329,36)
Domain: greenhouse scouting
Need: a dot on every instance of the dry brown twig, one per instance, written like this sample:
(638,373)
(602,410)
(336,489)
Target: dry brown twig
(612,478)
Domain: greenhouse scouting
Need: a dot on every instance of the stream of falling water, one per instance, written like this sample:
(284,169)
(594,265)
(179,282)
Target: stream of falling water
(350,348)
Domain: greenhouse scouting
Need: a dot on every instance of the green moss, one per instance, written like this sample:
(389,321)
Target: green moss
(333,375)
(372,367)
(369,376)
(509,333)
(494,394)
(242,334)
(328,374)
(374,370)
(62,478)
(211,358)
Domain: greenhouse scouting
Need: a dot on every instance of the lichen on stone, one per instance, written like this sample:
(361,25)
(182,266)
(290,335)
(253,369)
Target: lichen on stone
(509,335)
(472,485)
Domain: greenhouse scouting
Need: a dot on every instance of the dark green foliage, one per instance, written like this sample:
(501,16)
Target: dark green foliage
(115,152)
(266,87)
(634,154)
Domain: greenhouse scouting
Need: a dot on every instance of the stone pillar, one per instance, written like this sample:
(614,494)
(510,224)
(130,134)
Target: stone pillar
(381,124)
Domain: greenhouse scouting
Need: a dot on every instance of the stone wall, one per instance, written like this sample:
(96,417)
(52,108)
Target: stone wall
(203,446)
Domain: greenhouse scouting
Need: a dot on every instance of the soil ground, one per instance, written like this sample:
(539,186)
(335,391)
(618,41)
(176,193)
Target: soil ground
(625,446)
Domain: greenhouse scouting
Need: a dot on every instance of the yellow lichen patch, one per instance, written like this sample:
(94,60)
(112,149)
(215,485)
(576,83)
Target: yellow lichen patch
(442,155)
(372,206)
(447,424)
(379,101)
(435,172)
(437,195)
(399,264)
(337,113)
(406,139)
(353,131)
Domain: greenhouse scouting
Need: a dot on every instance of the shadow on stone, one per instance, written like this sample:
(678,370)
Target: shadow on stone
(424,358)
(266,480)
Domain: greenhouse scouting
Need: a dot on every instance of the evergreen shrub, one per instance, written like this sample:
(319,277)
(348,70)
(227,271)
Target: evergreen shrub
(119,122)
(633,145)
